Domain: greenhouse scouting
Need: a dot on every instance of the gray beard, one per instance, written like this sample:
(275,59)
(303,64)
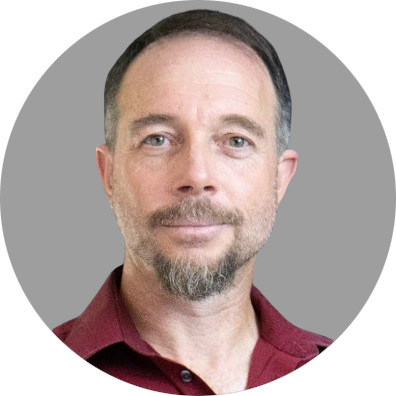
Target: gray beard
(193,278)
(197,281)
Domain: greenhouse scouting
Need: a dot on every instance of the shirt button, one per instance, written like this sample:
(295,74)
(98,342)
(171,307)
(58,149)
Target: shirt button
(186,376)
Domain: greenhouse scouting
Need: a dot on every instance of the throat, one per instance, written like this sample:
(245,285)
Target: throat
(230,379)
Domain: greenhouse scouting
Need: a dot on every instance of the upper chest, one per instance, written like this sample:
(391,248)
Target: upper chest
(228,382)
(231,377)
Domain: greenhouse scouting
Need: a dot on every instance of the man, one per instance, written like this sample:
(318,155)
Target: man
(197,119)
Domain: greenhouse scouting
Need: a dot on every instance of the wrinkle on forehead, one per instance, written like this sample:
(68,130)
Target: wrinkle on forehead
(200,75)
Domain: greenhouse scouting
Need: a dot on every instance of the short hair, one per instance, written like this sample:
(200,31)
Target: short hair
(212,23)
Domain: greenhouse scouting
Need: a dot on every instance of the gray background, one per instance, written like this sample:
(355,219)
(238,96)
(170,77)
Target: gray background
(334,225)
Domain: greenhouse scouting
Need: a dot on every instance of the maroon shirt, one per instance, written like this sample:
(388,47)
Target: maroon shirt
(105,335)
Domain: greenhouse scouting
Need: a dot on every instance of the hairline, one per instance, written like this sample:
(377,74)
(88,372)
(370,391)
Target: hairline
(227,37)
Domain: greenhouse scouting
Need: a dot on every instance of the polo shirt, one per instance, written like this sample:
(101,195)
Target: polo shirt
(105,336)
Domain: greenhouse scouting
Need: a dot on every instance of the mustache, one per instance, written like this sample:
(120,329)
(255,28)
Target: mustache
(192,209)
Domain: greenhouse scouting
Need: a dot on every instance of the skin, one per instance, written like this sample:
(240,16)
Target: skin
(196,81)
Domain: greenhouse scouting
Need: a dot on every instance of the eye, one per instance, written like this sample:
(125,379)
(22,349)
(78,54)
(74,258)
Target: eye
(238,141)
(155,140)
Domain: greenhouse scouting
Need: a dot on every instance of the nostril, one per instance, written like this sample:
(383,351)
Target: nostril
(185,188)
(190,189)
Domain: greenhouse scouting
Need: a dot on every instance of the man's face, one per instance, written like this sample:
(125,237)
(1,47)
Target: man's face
(194,178)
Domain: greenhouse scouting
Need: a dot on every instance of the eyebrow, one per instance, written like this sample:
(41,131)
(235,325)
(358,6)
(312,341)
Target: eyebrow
(245,123)
(152,119)
(168,119)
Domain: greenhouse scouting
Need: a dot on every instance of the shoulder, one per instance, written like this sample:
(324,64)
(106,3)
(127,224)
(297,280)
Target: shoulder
(98,326)
(62,331)
(307,346)
(299,343)
(311,340)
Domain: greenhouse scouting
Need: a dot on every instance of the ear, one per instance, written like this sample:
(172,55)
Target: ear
(104,162)
(287,165)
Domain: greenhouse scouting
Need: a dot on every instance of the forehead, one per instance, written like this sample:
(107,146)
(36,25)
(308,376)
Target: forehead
(197,74)
(194,50)
(183,47)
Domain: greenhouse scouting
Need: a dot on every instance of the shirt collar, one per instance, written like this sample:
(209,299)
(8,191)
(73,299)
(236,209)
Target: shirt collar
(106,322)
(283,335)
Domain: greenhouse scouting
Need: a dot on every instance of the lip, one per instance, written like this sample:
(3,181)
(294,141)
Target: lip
(192,224)
(196,230)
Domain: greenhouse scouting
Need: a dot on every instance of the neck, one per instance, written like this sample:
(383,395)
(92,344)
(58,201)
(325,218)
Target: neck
(224,325)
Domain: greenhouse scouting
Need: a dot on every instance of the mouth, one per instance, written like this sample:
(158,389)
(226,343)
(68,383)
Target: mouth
(192,224)
(198,230)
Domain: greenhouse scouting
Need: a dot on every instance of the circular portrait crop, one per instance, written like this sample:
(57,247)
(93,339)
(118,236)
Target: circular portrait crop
(192,255)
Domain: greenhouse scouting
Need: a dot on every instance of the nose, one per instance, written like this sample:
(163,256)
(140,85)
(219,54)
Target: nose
(195,172)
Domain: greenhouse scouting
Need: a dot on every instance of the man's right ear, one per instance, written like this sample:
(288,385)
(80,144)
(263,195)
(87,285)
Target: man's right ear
(104,162)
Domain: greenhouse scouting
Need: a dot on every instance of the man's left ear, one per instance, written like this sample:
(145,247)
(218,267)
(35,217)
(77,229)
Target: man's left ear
(287,165)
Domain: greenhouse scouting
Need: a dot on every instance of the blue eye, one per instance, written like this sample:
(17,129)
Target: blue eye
(155,140)
(160,140)
(238,141)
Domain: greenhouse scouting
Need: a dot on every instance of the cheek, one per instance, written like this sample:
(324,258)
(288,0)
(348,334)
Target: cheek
(253,185)
(143,185)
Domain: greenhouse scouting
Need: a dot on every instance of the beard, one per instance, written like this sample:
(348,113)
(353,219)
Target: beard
(195,277)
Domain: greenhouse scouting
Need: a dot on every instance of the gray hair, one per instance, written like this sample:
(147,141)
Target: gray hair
(212,23)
